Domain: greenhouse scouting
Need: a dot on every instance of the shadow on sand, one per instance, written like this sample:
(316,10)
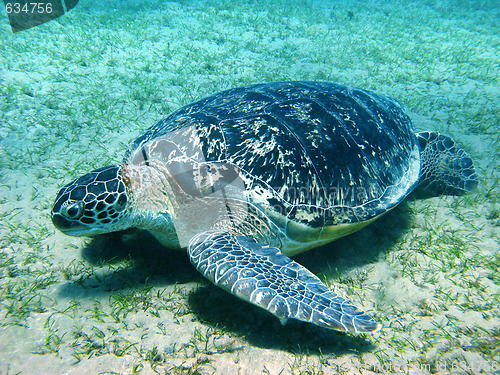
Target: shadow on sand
(152,264)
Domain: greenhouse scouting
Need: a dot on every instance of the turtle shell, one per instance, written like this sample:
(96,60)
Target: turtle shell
(317,153)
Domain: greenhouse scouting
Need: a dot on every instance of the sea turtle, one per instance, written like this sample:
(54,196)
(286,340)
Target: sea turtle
(247,177)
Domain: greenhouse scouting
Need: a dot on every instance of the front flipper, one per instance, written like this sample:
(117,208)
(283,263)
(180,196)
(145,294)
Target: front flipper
(268,279)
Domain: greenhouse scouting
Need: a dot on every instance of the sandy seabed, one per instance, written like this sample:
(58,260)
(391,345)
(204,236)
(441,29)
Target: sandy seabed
(75,91)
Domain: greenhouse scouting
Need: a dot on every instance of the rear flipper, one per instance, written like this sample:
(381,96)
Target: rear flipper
(268,279)
(445,168)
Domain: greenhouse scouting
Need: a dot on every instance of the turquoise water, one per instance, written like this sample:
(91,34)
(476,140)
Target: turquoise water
(76,90)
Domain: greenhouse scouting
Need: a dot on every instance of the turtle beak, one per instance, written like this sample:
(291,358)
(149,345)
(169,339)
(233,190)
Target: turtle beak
(61,222)
(64,225)
(73,228)
(65,213)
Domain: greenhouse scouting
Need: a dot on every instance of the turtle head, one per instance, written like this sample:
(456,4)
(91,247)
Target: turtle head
(93,204)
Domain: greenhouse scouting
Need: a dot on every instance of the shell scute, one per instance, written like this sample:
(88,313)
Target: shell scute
(314,152)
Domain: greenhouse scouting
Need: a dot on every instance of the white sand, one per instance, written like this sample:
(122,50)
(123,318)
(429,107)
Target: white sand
(75,91)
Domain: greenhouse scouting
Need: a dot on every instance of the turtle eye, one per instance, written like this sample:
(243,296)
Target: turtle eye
(73,210)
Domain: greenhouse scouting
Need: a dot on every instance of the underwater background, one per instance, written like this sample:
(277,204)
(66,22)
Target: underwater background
(75,91)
